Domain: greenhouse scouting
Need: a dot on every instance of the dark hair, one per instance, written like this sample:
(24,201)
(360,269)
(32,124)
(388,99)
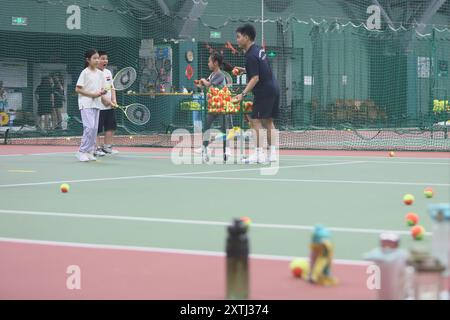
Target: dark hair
(227,67)
(217,57)
(102,53)
(88,55)
(247,30)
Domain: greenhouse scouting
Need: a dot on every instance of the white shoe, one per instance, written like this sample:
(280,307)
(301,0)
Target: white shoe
(83,157)
(199,150)
(262,158)
(248,134)
(99,153)
(91,157)
(273,157)
(256,157)
(109,150)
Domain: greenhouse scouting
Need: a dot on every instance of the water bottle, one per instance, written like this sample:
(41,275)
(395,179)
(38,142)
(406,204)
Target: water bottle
(237,267)
(197,115)
(12,116)
(391,261)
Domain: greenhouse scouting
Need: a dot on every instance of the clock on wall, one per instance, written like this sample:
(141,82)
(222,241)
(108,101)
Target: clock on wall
(189,56)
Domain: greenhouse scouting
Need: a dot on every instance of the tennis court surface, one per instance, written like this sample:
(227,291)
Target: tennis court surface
(139,227)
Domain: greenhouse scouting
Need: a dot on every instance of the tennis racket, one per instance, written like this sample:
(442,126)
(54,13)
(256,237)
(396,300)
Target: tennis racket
(136,113)
(123,79)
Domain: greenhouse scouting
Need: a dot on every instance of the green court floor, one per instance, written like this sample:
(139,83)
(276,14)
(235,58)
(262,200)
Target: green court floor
(143,199)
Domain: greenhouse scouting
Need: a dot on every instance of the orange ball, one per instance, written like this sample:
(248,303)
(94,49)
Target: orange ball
(412,219)
(417,232)
(65,188)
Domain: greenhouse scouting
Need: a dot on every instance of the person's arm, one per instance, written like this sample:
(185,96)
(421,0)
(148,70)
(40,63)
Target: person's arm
(113,97)
(252,68)
(108,103)
(250,85)
(216,80)
(89,94)
(205,82)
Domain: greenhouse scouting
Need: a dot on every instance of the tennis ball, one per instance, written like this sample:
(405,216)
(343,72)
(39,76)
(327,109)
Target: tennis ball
(247,221)
(392,154)
(428,192)
(412,219)
(299,268)
(68,139)
(131,137)
(408,199)
(417,232)
(65,188)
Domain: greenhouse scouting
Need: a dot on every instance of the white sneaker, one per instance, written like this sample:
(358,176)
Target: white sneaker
(273,154)
(199,150)
(109,150)
(262,158)
(99,153)
(91,157)
(256,157)
(248,134)
(83,157)
(273,157)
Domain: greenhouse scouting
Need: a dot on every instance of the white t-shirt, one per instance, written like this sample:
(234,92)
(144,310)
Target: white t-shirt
(108,84)
(91,81)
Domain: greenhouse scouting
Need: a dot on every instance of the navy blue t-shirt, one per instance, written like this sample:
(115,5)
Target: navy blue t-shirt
(257,64)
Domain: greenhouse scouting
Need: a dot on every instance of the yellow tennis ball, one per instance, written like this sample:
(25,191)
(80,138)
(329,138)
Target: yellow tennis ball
(65,188)
(408,199)
(131,137)
(299,268)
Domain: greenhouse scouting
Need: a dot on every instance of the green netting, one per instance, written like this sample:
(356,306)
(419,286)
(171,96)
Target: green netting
(344,85)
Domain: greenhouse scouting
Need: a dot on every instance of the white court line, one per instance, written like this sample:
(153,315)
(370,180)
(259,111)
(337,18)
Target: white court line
(195,222)
(165,250)
(306,159)
(437,184)
(381,162)
(37,154)
(172,174)
(281,156)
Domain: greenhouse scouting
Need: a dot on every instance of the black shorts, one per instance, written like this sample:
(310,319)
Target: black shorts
(107,120)
(266,106)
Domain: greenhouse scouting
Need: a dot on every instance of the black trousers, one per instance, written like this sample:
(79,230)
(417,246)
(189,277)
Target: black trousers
(224,126)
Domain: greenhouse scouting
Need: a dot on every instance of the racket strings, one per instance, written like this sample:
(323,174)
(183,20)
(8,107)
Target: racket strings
(138,114)
(125,78)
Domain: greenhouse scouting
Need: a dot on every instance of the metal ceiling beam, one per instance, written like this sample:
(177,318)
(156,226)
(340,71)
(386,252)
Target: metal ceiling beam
(430,11)
(164,7)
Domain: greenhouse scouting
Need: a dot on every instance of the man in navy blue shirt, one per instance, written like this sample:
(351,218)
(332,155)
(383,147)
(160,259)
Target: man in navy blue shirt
(265,88)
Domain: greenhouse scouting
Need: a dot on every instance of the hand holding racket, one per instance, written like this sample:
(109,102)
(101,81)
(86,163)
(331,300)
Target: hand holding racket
(136,113)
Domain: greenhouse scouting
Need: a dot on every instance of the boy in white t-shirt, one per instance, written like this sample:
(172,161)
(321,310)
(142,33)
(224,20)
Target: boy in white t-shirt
(90,88)
(107,120)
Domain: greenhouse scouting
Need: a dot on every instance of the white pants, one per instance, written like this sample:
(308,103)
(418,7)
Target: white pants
(90,128)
